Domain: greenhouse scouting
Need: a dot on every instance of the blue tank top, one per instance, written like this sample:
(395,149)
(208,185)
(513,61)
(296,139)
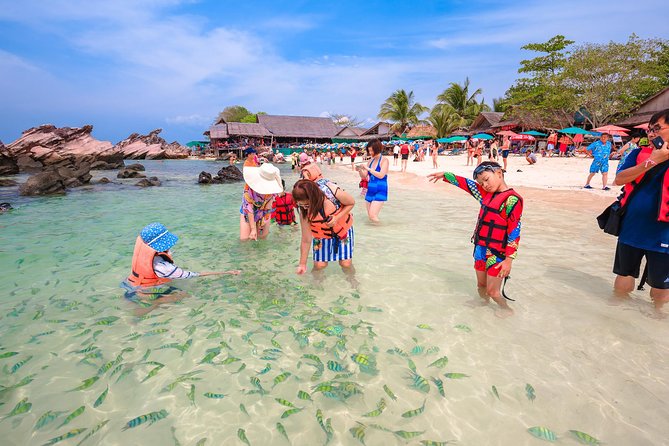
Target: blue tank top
(377,189)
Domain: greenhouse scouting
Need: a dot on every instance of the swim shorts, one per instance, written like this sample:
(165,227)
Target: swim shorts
(396,155)
(405,157)
(505,153)
(599,165)
(628,263)
(485,260)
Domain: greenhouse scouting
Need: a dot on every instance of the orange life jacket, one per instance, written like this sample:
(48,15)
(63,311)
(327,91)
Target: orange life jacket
(311,172)
(491,228)
(663,207)
(319,227)
(142,274)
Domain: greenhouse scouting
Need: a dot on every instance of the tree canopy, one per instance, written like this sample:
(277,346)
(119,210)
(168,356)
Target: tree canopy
(401,109)
(458,99)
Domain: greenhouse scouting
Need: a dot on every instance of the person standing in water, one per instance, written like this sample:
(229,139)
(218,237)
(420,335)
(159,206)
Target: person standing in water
(377,176)
(262,185)
(497,232)
(326,223)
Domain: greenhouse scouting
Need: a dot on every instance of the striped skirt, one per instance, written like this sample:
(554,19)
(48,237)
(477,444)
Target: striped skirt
(332,250)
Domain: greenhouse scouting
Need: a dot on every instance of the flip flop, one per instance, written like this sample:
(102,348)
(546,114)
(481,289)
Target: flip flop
(587,186)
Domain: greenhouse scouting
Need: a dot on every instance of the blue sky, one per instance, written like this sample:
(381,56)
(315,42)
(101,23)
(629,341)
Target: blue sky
(129,66)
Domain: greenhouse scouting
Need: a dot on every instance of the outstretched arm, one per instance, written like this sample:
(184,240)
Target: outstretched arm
(467,185)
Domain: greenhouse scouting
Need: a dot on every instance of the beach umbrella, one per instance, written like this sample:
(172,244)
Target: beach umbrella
(611,129)
(451,139)
(642,126)
(574,131)
(507,133)
(484,136)
(523,137)
(533,133)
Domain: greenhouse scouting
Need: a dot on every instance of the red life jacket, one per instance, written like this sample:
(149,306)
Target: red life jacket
(284,214)
(142,274)
(491,228)
(663,207)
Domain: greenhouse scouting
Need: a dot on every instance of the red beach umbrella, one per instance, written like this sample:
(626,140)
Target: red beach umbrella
(611,129)
(642,126)
(507,133)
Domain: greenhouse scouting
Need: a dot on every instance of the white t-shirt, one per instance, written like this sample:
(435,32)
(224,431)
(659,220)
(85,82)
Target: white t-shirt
(396,149)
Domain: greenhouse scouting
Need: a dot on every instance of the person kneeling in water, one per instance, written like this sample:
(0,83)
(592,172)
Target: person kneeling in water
(326,224)
(497,231)
(153,269)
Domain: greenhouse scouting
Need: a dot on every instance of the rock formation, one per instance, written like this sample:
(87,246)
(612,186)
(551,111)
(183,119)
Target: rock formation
(48,146)
(150,146)
(8,164)
(148,182)
(56,180)
(229,174)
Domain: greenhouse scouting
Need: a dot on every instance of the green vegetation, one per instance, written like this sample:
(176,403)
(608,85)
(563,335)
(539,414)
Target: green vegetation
(238,113)
(401,109)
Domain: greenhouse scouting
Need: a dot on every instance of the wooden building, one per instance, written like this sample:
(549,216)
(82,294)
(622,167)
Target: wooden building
(643,113)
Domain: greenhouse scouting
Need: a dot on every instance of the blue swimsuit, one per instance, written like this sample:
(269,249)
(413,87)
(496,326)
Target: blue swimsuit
(377,189)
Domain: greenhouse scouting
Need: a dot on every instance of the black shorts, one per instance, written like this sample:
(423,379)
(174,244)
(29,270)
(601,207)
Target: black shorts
(405,157)
(628,263)
(396,155)
(505,153)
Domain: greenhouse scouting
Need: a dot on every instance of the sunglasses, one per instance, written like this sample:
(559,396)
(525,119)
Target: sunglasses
(487,168)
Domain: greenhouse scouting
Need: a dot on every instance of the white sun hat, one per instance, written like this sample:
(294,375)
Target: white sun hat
(264,180)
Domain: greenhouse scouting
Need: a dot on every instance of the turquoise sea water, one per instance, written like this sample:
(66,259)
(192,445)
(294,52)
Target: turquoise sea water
(595,367)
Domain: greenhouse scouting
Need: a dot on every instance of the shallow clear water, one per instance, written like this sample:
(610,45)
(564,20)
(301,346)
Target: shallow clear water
(596,367)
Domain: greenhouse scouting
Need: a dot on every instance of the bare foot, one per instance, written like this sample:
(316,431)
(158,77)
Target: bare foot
(503,313)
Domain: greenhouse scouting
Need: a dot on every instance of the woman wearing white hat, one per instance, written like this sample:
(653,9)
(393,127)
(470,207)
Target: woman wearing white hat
(263,183)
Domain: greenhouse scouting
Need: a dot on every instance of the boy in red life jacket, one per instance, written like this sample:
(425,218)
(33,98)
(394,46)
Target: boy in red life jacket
(284,208)
(153,268)
(497,231)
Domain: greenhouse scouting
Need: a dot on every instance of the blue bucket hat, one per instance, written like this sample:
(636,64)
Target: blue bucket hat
(158,237)
(249,150)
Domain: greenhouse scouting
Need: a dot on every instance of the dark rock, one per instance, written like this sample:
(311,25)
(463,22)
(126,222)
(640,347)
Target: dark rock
(43,183)
(27,164)
(136,167)
(230,174)
(8,164)
(72,182)
(7,183)
(125,173)
(204,178)
(4,207)
(148,182)
(104,180)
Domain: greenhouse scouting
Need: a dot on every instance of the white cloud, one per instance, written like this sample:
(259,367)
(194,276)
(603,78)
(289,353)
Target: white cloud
(190,120)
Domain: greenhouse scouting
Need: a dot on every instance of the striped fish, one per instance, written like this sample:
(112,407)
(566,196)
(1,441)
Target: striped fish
(529,392)
(73,415)
(47,417)
(282,431)
(543,433)
(584,438)
(440,363)
(215,396)
(389,392)
(414,412)
(151,417)
(101,398)
(93,431)
(65,436)
(241,434)
(358,432)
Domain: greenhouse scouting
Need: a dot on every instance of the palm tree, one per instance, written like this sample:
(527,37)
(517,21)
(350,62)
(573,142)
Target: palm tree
(458,98)
(401,109)
(444,120)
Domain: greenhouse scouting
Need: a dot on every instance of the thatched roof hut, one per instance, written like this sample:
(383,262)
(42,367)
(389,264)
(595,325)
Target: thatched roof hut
(647,109)
(299,127)
(422,131)
(247,129)
(381,130)
(350,132)
(485,121)
(218,131)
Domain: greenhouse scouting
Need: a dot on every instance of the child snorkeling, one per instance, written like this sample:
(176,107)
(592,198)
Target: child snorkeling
(153,269)
(497,231)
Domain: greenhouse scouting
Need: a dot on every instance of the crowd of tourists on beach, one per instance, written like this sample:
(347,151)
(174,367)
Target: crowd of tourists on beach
(641,214)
